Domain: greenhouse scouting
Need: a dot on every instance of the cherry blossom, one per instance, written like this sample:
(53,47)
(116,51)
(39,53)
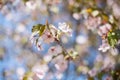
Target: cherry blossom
(76,16)
(59,75)
(81,39)
(104,47)
(40,70)
(49,76)
(39,46)
(34,36)
(65,28)
(61,66)
(108,63)
(92,72)
(47,58)
(55,50)
(53,30)
(20,72)
(104,29)
(17,19)
(60,63)
(93,22)
(47,37)
(35,39)
(31,5)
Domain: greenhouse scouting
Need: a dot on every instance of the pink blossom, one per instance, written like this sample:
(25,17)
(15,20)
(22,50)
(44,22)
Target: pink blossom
(92,72)
(104,47)
(93,22)
(60,63)
(48,37)
(108,63)
(40,70)
(55,50)
(39,46)
(53,30)
(104,29)
(61,66)
(49,76)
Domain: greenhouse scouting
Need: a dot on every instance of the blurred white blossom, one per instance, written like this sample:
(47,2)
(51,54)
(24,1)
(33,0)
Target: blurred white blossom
(60,63)
(93,22)
(20,72)
(104,47)
(108,63)
(40,70)
(64,27)
(81,39)
(76,16)
(31,5)
(104,29)
(92,72)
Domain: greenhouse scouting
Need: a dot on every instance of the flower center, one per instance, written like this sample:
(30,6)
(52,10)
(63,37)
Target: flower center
(49,36)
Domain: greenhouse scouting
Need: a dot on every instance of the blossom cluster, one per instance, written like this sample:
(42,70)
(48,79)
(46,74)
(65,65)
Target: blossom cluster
(49,34)
(94,20)
(104,25)
(59,57)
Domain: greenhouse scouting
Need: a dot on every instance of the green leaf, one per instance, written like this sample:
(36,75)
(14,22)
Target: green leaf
(100,75)
(28,75)
(117,33)
(39,27)
(90,78)
(25,78)
(25,1)
(113,37)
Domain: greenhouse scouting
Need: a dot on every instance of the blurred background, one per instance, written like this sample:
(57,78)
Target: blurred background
(19,57)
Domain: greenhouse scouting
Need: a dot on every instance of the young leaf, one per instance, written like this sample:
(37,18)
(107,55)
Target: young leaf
(39,27)
(113,37)
(25,1)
